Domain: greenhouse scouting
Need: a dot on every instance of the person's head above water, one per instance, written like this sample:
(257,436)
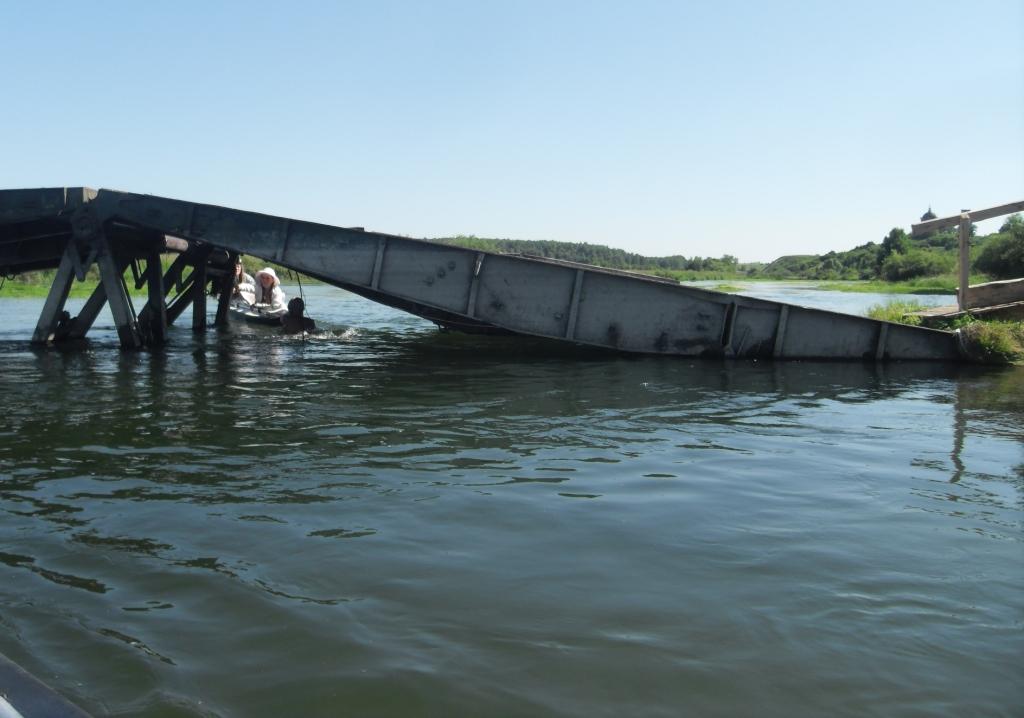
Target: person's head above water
(293,322)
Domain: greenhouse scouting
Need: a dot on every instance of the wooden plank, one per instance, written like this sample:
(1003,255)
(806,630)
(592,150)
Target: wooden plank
(979,215)
(25,205)
(999,292)
(941,316)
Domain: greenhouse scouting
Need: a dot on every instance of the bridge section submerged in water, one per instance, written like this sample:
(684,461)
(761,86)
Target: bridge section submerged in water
(71,228)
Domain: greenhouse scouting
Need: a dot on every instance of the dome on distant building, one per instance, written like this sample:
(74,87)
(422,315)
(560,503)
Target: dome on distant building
(928,215)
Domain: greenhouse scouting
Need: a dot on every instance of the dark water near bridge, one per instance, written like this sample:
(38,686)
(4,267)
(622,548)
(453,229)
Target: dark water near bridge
(386,520)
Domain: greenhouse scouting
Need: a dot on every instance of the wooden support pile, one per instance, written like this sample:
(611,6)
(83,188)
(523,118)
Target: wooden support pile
(114,250)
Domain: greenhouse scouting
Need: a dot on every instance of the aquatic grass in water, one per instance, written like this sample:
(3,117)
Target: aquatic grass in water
(897,311)
(729,288)
(936,284)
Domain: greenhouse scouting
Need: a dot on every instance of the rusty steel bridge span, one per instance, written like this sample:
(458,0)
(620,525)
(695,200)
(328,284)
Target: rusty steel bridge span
(72,229)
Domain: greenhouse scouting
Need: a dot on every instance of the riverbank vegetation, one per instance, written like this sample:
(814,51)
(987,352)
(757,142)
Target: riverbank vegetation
(983,340)
(994,342)
(938,284)
(898,263)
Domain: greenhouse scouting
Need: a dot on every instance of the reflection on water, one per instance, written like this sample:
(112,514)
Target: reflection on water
(385,520)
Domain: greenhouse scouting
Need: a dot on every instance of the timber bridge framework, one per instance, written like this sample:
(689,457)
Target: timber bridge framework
(71,229)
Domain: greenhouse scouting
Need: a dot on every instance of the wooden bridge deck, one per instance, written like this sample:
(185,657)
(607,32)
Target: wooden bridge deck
(936,316)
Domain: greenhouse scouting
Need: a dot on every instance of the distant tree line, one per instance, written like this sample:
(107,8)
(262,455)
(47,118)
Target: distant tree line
(898,257)
(600,255)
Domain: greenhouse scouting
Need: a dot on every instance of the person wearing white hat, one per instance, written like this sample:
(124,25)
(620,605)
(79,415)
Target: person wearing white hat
(268,289)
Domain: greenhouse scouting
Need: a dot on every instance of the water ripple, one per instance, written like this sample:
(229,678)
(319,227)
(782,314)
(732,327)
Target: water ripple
(402,522)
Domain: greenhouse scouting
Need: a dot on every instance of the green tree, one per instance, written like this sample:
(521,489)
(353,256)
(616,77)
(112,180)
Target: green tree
(1014,220)
(895,242)
(901,266)
(1003,255)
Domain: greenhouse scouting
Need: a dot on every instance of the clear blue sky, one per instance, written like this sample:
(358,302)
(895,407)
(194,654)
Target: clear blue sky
(750,128)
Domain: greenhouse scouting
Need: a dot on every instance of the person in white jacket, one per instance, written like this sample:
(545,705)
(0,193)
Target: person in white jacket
(268,289)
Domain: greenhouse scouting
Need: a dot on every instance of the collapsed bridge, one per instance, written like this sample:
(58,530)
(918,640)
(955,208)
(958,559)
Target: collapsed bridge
(71,229)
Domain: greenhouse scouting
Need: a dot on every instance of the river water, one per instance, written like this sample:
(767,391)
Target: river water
(384,520)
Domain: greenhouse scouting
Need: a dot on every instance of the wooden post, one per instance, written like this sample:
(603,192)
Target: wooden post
(227,288)
(965,261)
(199,291)
(156,309)
(57,297)
(117,295)
(157,306)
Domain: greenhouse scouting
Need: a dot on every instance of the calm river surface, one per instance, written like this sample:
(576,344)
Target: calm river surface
(384,520)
